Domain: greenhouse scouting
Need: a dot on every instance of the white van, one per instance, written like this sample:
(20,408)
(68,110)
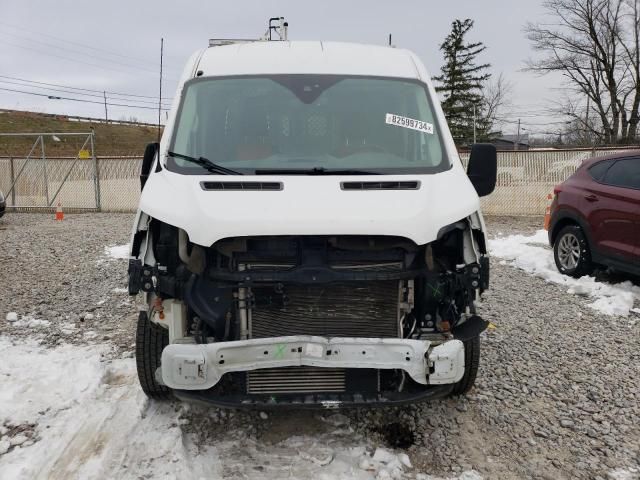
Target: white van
(307,235)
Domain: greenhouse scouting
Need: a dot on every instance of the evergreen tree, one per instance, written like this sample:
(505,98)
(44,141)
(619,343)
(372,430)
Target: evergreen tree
(461,82)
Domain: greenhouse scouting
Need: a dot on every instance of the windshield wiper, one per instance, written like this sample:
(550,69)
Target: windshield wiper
(312,171)
(206,164)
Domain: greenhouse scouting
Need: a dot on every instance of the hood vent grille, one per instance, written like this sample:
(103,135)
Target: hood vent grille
(236,186)
(403,185)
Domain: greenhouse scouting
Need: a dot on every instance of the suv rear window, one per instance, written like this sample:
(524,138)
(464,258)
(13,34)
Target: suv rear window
(624,173)
(598,170)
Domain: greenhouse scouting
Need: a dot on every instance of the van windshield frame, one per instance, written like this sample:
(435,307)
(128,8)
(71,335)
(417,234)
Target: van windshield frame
(428,147)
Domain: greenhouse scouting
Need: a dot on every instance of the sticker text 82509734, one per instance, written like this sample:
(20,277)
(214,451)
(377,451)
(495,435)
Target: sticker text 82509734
(406,122)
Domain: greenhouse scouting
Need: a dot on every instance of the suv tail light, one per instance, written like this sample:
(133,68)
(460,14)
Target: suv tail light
(557,189)
(552,202)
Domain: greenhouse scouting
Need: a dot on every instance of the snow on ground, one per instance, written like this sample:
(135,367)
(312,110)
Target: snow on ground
(532,254)
(117,251)
(69,412)
(27,321)
(624,474)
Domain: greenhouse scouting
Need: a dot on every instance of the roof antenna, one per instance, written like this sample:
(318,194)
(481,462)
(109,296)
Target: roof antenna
(160,93)
(390,44)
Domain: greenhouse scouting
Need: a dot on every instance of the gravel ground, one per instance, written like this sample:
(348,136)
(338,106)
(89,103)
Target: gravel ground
(558,393)
(57,272)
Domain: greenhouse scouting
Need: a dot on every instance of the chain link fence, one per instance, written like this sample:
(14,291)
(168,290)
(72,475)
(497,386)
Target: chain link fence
(119,183)
(525,178)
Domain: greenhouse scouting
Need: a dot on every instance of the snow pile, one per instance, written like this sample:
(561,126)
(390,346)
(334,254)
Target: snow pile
(26,321)
(532,254)
(117,251)
(43,388)
(468,475)
(89,417)
(385,464)
(30,322)
(624,474)
(69,413)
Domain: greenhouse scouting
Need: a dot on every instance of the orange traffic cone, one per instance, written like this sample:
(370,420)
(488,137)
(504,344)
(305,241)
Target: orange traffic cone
(59,212)
(547,212)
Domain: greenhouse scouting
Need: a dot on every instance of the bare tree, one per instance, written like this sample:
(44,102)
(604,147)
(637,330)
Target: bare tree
(595,45)
(630,42)
(496,96)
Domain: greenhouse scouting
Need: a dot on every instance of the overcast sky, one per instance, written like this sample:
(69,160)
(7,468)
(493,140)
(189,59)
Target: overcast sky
(114,45)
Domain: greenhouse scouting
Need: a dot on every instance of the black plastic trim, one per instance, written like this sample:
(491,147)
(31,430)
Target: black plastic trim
(312,275)
(563,214)
(459,225)
(384,185)
(313,401)
(242,186)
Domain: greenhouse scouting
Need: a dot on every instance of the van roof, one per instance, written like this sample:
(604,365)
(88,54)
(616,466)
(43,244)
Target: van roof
(307,57)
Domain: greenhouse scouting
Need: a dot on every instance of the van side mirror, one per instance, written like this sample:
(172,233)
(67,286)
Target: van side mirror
(147,161)
(483,168)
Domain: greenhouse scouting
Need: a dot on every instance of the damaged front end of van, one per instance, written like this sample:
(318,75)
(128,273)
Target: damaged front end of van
(309,239)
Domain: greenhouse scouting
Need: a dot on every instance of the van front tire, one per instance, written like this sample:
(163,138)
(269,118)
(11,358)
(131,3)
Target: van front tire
(150,341)
(471,363)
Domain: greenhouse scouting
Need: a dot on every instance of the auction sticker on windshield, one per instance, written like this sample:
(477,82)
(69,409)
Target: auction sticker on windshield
(406,122)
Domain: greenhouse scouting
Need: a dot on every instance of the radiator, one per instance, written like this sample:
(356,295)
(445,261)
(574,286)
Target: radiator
(296,380)
(336,310)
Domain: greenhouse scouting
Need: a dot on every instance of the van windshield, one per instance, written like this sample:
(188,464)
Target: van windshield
(298,122)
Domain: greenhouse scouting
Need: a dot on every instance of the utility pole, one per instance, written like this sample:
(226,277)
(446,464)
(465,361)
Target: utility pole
(516,145)
(160,92)
(106,117)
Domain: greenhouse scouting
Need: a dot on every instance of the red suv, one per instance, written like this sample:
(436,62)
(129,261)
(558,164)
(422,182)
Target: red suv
(595,216)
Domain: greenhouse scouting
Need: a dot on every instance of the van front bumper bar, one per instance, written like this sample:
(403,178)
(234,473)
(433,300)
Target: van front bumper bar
(201,366)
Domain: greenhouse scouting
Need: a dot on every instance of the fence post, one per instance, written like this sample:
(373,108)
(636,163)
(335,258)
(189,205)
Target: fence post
(96,173)
(44,165)
(13,191)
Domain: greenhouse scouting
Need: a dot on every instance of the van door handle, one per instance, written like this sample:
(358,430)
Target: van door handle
(591,198)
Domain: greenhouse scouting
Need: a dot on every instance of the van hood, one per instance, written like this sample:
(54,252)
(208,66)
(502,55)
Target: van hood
(309,205)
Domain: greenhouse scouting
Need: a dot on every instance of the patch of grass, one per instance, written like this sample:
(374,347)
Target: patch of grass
(110,139)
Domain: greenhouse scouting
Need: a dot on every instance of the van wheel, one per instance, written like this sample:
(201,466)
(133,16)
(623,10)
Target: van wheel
(571,252)
(150,341)
(471,363)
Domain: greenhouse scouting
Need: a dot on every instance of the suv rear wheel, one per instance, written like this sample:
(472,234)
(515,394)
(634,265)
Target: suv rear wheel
(571,252)
(150,341)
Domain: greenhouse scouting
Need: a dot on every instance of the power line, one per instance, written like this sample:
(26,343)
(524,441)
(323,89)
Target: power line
(77,52)
(63,57)
(104,67)
(76,93)
(504,120)
(79,88)
(78,99)
(82,45)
